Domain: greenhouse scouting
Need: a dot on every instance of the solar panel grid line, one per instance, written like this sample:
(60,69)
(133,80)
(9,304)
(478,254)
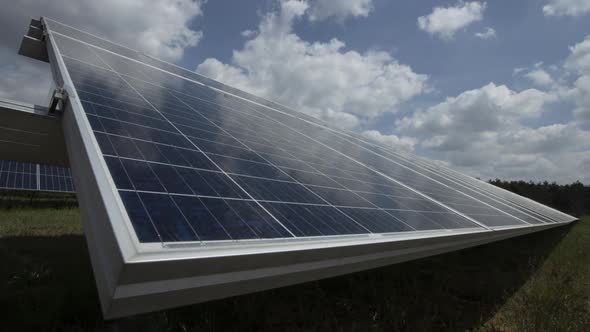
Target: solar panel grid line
(329,128)
(181,101)
(189,135)
(176,66)
(363,199)
(448,186)
(429,163)
(476,192)
(472,185)
(242,175)
(295,180)
(397,182)
(526,209)
(231,179)
(518,200)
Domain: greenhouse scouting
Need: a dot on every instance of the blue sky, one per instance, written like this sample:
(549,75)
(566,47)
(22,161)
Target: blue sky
(496,89)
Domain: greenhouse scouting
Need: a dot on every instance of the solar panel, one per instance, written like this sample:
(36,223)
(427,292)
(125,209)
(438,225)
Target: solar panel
(35,177)
(177,168)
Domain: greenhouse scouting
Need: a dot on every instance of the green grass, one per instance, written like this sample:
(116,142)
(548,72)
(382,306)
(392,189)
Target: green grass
(538,282)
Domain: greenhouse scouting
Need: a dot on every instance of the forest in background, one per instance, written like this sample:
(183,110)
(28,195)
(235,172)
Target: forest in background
(571,198)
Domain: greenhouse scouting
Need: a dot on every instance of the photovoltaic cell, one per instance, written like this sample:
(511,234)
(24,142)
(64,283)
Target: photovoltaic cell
(196,160)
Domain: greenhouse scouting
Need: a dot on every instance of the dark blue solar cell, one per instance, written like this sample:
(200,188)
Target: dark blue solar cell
(376,221)
(289,216)
(257,219)
(341,197)
(231,222)
(239,166)
(337,220)
(95,123)
(203,222)
(118,173)
(169,221)
(18,180)
(125,147)
(113,127)
(141,176)
(416,220)
(139,218)
(222,185)
(313,178)
(150,151)
(198,160)
(271,190)
(173,155)
(170,179)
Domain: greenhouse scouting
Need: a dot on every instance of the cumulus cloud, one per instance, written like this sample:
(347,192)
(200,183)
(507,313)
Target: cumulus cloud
(578,62)
(566,7)
(539,77)
(484,132)
(158,27)
(487,131)
(444,22)
(340,10)
(319,78)
(474,112)
(487,34)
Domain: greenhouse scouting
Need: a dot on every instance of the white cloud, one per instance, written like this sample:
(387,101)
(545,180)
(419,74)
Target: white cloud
(484,132)
(444,22)
(539,77)
(566,7)
(319,78)
(487,34)
(578,62)
(394,141)
(487,131)
(157,27)
(455,121)
(579,58)
(518,70)
(338,9)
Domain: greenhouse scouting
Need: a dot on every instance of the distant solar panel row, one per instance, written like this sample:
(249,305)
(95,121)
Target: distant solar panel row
(192,163)
(36,177)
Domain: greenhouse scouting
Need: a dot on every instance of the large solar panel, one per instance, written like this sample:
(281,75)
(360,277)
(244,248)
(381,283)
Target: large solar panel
(35,177)
(175,167)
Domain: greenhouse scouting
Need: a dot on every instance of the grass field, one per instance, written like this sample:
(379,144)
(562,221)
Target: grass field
(539,282)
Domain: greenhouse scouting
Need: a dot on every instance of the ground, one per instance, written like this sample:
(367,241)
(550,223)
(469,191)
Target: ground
(538,282)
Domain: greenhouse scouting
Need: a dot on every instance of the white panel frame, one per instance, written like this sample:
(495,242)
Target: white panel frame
(134,277)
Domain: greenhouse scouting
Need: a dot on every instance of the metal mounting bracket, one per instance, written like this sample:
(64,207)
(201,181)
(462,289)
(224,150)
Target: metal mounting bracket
(33,43)
(58,101)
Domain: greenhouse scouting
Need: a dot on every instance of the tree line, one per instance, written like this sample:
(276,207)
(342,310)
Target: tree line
(573,199)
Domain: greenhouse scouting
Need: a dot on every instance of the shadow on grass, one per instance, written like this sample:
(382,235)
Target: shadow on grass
(14,199)
(47,284)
